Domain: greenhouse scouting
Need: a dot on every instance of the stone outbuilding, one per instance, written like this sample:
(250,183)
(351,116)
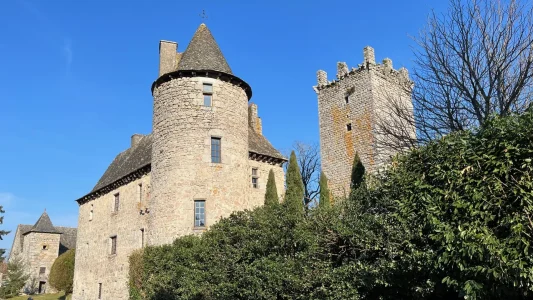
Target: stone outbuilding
(38,246)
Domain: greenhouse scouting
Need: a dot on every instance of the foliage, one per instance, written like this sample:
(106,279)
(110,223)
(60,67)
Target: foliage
(294,196)
(136,273)
(467,202)
(449,220)
(16,278)
(2,232)
(358,172)
(62,272)
(325,194)
(271,195)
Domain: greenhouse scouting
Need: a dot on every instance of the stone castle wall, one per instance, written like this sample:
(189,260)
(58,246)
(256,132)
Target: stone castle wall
(257,195)
(182,171)
(349,109)
(97,224)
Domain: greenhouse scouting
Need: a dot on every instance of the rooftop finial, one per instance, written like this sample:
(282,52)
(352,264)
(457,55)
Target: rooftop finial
(203,16)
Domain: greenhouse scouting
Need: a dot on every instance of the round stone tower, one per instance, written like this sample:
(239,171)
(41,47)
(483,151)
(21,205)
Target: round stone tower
(200,140)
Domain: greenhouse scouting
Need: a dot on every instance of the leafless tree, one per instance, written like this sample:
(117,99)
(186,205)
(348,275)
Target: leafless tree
(308,156)
(472,62)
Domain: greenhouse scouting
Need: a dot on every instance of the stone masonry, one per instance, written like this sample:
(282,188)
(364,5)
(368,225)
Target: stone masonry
(349,109)
(158,179)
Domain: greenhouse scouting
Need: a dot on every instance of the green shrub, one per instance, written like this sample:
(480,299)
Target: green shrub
(62,272)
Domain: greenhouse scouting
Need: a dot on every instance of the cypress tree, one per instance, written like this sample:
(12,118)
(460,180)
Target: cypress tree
(325,197)
(294,196)
(271,195)
(358,173)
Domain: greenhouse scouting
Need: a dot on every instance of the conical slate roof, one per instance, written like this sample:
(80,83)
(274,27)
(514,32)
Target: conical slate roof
(203,53)
(44,224)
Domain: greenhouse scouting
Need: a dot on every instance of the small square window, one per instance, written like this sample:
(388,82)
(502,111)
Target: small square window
(117,202)
(207,88)
(349,126)
(215,150)
(113,245)
(42,270)
(199,213)
(45,247)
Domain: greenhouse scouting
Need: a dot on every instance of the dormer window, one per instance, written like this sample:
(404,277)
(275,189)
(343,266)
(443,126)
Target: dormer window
(208,93)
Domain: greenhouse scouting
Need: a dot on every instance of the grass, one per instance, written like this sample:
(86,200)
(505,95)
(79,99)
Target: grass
(60,296)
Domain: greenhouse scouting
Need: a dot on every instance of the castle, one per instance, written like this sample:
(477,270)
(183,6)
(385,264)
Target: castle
(205,158)
(38,246)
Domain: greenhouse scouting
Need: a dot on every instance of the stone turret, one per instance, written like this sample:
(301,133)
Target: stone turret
(200,140)
(350,108)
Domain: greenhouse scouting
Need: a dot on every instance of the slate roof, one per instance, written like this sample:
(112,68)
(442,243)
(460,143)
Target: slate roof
(67,240)
(43,225)
(203,53)
(140,156)
(127,162)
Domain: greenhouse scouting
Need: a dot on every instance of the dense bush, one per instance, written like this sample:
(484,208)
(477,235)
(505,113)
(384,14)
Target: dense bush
(448,220)
(62,272)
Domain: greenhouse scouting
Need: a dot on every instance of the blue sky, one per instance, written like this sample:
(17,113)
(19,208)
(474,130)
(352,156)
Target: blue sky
(75,78)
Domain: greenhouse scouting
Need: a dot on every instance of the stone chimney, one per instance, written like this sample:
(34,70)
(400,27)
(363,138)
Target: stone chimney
(135,139)
(167,57)
(322,77)
(368,53)
(254,120)
(342,69)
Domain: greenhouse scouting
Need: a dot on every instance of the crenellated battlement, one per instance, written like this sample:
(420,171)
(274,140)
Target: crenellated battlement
(385,69)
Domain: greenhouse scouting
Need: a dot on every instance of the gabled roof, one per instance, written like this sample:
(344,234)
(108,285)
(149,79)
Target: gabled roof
(203,53)
(140,156)
(44,225)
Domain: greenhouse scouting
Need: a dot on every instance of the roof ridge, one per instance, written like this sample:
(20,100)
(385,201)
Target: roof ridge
(44,225)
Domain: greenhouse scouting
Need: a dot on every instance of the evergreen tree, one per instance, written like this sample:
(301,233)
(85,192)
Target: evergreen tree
(325,197)
(294,196)
(358,173)
(16,278)
(271,195)
(2,232)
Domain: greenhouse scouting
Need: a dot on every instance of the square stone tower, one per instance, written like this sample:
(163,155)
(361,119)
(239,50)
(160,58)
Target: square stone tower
(351,110)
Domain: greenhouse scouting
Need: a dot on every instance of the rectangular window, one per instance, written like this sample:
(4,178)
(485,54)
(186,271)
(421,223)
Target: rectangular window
(255,178)
(113,245)
(349,127)
(117,202)
(199,213)
(347,99)
(215,150)
(208,93)
(42,270)
(140,192)
(142,237)
(99,291)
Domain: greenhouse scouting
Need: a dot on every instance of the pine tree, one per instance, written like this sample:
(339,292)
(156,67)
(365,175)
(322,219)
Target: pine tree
(358,173)
(271,195)
(325,197)
(16,278)
(294,196)
(2,233)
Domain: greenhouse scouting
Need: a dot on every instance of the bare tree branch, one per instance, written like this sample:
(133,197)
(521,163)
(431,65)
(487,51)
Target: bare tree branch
(474,61)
